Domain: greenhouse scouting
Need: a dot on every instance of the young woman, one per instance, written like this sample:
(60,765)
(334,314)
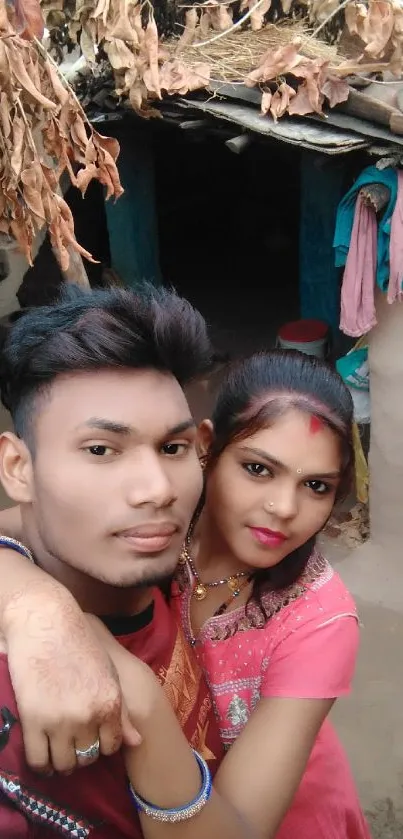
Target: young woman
(272,624)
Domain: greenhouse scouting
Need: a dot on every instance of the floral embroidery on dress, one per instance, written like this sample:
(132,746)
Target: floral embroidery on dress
(316,573)
(237,709)
(237,712)
(255,699)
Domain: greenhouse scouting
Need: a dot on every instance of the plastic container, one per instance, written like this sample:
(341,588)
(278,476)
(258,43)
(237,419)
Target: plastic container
(308,336)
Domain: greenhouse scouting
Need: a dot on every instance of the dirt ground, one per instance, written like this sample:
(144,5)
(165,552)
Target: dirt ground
(384,821)
(370,721)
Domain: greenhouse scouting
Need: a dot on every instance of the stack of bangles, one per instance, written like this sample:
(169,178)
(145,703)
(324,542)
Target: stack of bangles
(14,545)
(178,814)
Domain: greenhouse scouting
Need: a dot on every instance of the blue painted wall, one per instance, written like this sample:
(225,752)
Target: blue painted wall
(132,220)
(322,187)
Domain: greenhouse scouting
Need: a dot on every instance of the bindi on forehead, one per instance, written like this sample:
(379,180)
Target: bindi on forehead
(315,424)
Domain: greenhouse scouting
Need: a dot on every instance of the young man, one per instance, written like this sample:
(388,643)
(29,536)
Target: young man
(104,467)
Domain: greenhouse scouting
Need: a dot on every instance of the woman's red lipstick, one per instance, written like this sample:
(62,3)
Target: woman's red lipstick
(268,538)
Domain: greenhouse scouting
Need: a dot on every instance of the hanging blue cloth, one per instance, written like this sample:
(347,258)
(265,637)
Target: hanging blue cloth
(345,218)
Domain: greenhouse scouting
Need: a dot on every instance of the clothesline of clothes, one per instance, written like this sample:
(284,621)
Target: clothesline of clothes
(370,249)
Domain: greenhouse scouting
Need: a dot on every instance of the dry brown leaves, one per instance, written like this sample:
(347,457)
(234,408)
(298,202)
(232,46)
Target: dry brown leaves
(318,83)
(26,18)
(379,26)
(352,528)
(145,71)
(43,132)
(128,34)
(258,15)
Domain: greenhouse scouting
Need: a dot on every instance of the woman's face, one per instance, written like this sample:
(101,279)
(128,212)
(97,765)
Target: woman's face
(269,493)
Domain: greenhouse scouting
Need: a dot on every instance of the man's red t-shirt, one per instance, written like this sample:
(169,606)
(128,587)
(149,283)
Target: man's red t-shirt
(94,803)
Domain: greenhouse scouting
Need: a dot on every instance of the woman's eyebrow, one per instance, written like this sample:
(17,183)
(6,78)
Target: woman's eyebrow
(273,460)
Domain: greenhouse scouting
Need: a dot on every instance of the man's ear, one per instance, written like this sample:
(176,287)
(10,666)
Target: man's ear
(15,468)
(205,437)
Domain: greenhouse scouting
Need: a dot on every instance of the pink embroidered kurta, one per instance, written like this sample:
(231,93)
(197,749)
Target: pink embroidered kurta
(307,649)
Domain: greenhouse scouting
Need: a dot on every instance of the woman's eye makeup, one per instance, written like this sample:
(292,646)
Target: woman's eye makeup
(260,470)
(318,487)
(257,470)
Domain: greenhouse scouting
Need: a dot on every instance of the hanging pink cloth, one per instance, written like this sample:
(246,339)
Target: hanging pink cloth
(396,246)
(358,314)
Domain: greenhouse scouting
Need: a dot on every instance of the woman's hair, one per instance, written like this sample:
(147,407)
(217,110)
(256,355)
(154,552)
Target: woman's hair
(259,390)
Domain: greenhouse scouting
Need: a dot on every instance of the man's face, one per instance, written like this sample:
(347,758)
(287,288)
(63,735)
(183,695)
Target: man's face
(114,477)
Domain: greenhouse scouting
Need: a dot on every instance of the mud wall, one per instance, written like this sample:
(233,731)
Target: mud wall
(386,450)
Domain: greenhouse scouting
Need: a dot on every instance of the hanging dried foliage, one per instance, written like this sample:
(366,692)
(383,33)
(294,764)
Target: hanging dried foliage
(43,133)
(146,68)
(318,83)
(126,31)
(378,27)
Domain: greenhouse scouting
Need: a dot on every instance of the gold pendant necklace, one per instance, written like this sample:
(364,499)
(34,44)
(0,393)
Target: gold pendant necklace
(200,590)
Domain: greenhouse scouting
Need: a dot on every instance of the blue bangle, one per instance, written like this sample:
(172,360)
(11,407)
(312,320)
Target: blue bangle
(178,814)
(8,542)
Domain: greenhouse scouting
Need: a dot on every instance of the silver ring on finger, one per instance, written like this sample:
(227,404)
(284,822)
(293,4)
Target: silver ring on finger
(91,753)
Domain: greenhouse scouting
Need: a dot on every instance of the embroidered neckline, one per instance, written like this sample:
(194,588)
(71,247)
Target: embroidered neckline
(221,627)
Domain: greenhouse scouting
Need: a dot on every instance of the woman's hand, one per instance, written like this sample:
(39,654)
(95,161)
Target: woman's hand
(67,689)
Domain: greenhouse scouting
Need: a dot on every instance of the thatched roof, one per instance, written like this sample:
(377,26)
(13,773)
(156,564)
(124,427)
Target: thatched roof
(302,56)
(299,59)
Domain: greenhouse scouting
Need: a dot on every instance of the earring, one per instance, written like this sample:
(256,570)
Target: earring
(271,503)
(203,461)
(299,471)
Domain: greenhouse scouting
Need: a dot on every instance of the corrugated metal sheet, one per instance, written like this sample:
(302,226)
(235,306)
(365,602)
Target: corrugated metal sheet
(369,130)
(366,130)
(293,130)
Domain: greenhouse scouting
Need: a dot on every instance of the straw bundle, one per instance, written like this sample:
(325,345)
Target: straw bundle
(232,57)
